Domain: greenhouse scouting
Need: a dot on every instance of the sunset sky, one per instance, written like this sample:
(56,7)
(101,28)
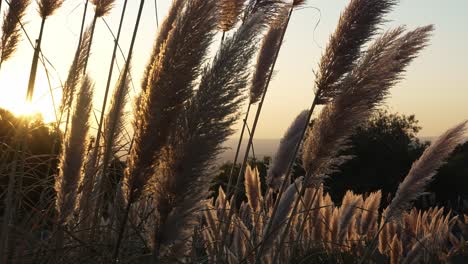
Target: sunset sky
(435,88)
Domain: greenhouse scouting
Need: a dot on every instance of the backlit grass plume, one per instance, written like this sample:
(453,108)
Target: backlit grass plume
(203,126)
(424,169)
(73,153)
(229,12)
(265,61)
(253,189)
(163,33)
(11,28)
(115,119)
(354,29)
(48,7)
(182,52)
(102,7)
(75,73)
(364,88)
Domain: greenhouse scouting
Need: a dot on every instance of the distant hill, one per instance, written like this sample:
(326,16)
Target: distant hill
(262,148)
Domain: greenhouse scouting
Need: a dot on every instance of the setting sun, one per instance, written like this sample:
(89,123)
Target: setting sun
(15,101)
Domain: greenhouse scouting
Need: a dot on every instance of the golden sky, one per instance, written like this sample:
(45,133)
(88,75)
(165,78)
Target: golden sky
(435,88)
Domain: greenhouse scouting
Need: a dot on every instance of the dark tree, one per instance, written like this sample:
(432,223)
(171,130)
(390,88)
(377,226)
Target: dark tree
(36,152)
(383,151)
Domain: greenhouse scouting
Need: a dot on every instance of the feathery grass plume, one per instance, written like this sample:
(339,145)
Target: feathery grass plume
(48,7)
(11,28)
(113,127)
(183,53)
(417,251)
(203,126)
(347,212)
(424,169)
(298,3)
(269,8)
(363,89)
(265,61)
(75,73)
(370,212)
(396,250)
(357,24)
(86,189)
(282,214)
(114,121)
(253,189)
(73,153)
(229,12)
(283,155)
(102,7)
(161,38)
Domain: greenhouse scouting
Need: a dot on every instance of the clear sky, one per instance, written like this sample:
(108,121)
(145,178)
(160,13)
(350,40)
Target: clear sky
(435,88)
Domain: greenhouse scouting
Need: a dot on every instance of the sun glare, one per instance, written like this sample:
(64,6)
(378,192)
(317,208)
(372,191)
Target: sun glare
(15,101)
(27,109)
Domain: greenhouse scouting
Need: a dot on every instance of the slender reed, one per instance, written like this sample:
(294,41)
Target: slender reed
(113,126)
(115,114)
(101,9)
(11,28)
(46,9)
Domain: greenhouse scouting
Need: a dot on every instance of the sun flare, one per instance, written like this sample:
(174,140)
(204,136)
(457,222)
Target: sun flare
(15,99)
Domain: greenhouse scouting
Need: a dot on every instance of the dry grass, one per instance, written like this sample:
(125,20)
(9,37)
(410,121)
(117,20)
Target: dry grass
(192,92)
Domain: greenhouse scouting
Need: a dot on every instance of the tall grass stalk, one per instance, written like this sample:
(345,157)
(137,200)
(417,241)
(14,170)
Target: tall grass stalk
(101,8)
(124,74)
(257,116)
(46,9)
(120,94)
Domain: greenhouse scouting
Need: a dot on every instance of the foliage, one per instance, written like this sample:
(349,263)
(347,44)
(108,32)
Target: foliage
(383,150)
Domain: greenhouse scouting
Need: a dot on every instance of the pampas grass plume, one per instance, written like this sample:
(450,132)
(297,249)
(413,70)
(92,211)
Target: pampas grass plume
(283,157)
(11,28)
(72,157)
(424,169)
